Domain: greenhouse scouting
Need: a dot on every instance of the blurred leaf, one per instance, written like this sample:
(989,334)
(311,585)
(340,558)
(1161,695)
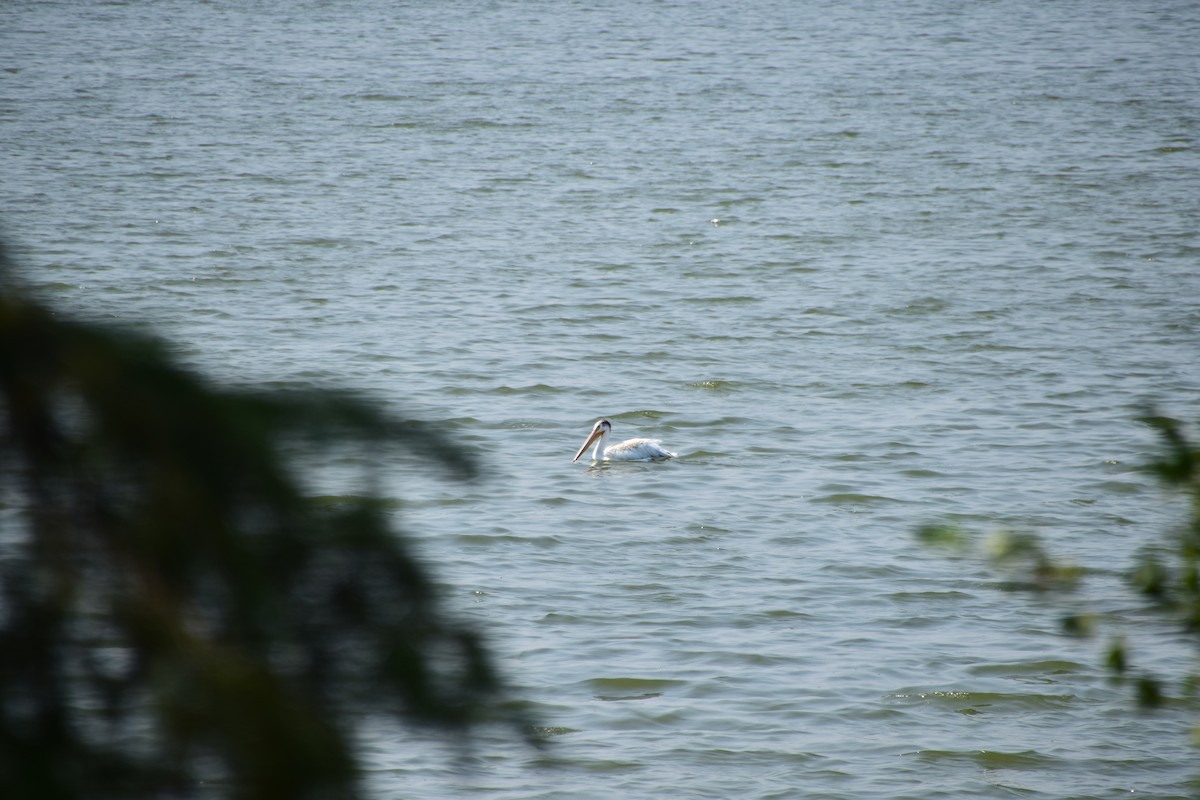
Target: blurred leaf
(1169,575)
(1079,624)
(1181,461)
(172,608)
(1116,660)
(948,537)
(1008,546)
(1150,577)
(1149,692)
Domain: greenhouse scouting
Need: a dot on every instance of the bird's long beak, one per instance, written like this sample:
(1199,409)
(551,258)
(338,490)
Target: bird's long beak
(595,434)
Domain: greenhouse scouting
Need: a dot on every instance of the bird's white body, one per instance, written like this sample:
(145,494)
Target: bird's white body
(629,450)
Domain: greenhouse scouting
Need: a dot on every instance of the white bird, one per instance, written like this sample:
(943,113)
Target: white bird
(629,450)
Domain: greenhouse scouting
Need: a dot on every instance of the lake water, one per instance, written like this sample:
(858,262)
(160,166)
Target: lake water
(863,266)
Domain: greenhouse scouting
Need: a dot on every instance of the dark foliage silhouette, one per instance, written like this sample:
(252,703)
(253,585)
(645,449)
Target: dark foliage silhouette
(1167,573)
(173,611)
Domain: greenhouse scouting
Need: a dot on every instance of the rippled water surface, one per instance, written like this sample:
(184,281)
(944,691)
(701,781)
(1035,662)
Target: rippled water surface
(862,266)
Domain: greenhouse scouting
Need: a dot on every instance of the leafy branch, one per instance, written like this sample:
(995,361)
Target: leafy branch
(173,609)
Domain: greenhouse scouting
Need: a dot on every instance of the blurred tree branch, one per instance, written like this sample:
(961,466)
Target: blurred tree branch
(1169,576)
(172,608)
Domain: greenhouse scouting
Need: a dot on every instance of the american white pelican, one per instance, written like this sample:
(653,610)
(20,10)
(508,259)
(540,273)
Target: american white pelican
(630,450)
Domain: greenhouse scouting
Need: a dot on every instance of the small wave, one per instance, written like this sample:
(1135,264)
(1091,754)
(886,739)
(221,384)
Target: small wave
(1046,667)
(854,498)
(990,759)
(1116,487)
(711,424)
(507,391)
(546,731)
(970,702)
(647,413)
(723,300)
(612,690)
(701,455)
(715,386)
(497,538)
(378,97)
